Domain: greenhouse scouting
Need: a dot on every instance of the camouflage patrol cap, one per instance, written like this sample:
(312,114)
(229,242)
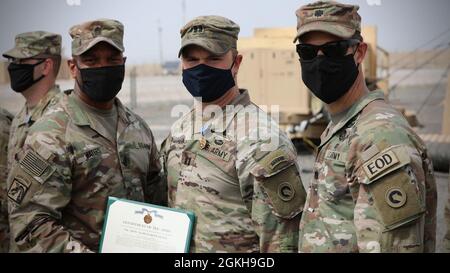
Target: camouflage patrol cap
(88,34)
(35,43)
(214,33)
(328,16)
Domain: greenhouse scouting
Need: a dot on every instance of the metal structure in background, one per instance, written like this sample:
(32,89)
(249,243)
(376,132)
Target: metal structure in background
(439,145)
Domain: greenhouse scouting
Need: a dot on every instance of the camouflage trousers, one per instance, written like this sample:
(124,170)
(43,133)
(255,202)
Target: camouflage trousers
(447,220)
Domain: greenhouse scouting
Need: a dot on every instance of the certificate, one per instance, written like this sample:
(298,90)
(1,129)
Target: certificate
(134,227)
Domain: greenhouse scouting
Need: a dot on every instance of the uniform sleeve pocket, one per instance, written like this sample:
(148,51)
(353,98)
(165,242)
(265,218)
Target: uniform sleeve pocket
(279,177)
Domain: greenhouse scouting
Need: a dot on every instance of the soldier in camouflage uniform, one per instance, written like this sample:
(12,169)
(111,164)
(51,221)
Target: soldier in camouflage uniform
(86,148)
(5,125)
(447,220)
(37,55)
(235,170)
(373,188)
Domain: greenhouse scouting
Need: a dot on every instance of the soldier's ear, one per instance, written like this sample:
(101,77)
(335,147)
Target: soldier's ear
(72,67)
(237,64)
(361,52)
(47,66)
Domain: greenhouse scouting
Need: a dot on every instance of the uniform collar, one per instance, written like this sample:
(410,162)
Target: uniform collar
(81,119)
(352,112)
(220,124)
(37,111)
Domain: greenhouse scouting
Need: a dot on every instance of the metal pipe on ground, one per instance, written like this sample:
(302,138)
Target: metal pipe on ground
(440,155)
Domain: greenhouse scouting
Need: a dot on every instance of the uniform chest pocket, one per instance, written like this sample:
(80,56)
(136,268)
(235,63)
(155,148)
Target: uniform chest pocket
(136,156)
(334,187)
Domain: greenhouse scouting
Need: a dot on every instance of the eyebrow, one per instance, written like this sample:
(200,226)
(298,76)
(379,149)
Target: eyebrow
(88,55)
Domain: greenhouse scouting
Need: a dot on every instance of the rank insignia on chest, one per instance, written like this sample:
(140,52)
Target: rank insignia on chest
(204,145)
(214,150)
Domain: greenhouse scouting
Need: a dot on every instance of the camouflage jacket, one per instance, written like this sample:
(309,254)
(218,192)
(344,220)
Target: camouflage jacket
(245,189)
(19,131)
(373,188)
(58,187)
(23,121)
(5,124)
(447,220)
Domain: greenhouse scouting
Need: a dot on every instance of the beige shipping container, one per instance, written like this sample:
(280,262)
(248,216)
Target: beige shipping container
(4,77)
(446,118)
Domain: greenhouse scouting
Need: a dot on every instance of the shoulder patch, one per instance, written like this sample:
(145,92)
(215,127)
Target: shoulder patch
(18,189)
(272,163)
(397,200)
(36,167)
(380,163)
(285,192)
(385,162)
(396,197)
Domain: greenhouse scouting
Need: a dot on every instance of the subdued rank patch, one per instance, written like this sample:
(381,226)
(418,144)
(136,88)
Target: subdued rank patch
(286,192)
(18,190)
(396,197)
(33,164)
(380,163)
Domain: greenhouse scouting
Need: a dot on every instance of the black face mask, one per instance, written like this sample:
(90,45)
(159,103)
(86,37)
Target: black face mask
(101,84)
(21,76)
(208,82)
(329,78)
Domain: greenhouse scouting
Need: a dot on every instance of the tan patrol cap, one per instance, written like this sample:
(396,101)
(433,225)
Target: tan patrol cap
(328,16)
(35,43)
(214,33)
(88,34)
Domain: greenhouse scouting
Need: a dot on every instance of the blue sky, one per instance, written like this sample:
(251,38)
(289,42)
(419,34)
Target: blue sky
(402,24)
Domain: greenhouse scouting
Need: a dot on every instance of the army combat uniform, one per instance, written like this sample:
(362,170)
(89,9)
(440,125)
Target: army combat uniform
(36,44)
(373,188)
(245,199)
(60,186)
(25,119)
(5,124)
(71,164)
(447,220)
(231,165)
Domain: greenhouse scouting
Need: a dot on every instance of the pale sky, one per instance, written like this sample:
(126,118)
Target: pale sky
(402,24)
